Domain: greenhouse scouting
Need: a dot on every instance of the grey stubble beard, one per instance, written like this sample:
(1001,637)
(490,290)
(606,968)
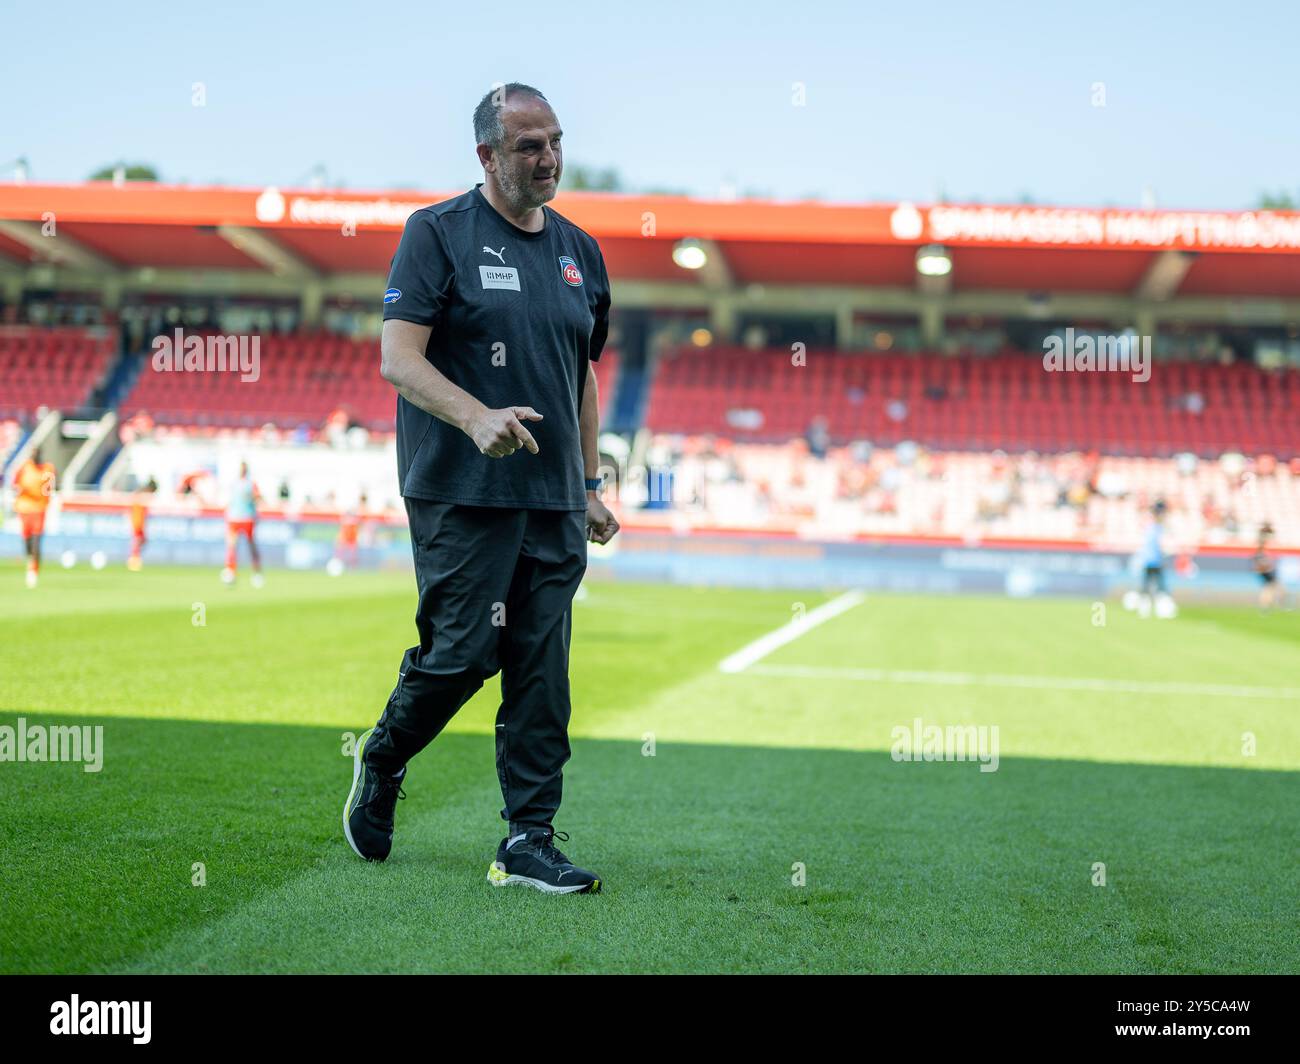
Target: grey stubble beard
(518,193)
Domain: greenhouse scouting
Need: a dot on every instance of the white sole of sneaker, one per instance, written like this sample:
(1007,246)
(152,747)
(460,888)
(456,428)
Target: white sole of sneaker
(499,877)
(356,782)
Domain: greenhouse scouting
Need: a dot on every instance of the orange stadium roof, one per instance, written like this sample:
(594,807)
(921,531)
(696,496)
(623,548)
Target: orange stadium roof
(1018,247)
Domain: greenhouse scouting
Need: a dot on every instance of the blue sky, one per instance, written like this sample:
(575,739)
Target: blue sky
(985,101)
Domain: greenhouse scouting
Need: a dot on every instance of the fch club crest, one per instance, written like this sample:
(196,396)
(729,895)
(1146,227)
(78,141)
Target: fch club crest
(569,271)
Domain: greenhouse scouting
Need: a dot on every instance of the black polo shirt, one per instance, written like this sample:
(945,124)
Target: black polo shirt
(516,317)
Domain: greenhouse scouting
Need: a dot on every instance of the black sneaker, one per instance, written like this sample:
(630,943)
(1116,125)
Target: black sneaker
(534,862)
(368,814)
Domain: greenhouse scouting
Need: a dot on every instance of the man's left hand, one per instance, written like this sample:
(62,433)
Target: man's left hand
(601,526)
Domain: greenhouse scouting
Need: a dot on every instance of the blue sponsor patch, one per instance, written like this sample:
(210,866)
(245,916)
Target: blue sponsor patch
(392,295)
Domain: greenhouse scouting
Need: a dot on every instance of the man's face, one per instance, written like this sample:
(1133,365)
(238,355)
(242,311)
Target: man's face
(529,162)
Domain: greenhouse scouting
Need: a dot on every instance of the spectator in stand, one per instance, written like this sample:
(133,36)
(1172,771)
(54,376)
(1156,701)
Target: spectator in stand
(995,498)
(336,428)
(819,438)
(1091,469)
(1078,495)
(138,427)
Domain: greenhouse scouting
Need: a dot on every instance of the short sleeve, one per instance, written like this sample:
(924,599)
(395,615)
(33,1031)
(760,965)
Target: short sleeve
(422,276)
(600,312)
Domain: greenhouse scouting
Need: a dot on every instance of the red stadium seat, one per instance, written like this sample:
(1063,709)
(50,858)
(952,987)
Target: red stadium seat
(1007,401)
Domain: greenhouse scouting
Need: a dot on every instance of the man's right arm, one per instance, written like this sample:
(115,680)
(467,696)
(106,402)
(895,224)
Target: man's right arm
(496,433)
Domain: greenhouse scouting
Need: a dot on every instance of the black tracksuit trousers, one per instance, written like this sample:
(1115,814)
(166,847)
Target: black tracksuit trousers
(495,588)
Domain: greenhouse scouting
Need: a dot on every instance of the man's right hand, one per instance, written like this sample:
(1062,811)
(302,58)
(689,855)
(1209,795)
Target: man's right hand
(497,433)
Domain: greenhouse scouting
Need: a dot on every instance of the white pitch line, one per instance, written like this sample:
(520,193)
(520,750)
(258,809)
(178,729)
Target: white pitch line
(1057,683)
(787,633)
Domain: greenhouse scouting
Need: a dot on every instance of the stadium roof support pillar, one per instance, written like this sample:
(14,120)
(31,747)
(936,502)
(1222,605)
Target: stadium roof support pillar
(932,315)
(716,274)
(111,294)
(1164,275)
(309,309)
(11,287)
(722,320)
(844,326)
(260,247)
(1144,322)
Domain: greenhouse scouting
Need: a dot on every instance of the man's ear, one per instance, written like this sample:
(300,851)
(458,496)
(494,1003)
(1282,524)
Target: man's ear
(487,157)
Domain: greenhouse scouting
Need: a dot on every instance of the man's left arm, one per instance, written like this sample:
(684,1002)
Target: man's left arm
(601,525)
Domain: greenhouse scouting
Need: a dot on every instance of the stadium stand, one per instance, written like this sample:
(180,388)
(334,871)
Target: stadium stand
(907,491)
(57,368)
(300,379)
(303,379)
(11,435)
(1005,401)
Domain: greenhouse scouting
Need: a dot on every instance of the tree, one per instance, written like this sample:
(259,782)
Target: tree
(1281,201)
(132,171)
(588,179)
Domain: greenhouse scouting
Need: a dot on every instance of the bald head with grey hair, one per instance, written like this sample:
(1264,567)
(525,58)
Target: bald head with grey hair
(518,142)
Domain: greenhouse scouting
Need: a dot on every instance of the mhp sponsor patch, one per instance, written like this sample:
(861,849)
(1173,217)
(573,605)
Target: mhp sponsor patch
(500,277)
(569,271)
(392,295)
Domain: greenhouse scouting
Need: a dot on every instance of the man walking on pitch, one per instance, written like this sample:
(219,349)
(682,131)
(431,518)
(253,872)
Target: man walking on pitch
(496,307)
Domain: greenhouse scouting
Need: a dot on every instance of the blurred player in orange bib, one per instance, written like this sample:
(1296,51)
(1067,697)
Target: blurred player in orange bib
(241,518)
(35,484)
(139,514)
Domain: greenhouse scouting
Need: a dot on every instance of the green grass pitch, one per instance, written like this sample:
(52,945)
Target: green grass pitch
(223,745)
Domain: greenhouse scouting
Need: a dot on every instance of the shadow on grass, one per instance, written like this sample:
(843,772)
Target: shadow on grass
(904,867)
